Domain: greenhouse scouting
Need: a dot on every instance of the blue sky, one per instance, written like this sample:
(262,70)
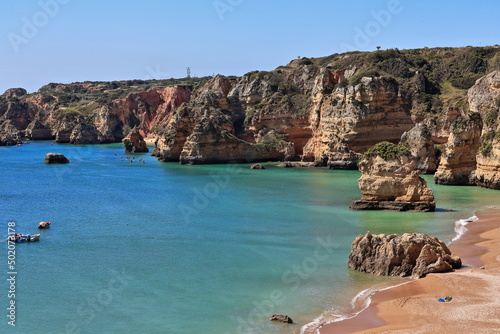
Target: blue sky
(44,41)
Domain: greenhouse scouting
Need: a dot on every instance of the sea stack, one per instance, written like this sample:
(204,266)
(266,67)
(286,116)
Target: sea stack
(134,143)
(389,181)
(414,255)
(55,158)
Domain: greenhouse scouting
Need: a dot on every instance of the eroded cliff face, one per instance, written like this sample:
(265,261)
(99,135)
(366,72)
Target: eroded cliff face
(44,116)
(242,120)
(312,118)
(419,142)
(458,162)
(484,98)
(392,183)
(472,151)
(351,119)
(327,111)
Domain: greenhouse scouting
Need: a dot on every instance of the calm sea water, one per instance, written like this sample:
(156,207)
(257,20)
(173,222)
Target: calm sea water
(164,248)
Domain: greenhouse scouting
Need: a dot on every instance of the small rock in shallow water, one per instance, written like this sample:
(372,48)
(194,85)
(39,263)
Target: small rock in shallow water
(287,164)
(257,166)
(281,318)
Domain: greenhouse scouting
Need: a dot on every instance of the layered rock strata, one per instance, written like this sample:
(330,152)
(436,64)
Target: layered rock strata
(327,111)
(389,181)
(414,255)
(484,98)
(458,162)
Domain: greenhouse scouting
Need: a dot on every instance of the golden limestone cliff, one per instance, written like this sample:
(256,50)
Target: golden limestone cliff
(389,181)
(484,98)
(442,103)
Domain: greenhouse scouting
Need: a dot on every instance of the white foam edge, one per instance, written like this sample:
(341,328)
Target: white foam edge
(460,226)
(320,322)
(460,229)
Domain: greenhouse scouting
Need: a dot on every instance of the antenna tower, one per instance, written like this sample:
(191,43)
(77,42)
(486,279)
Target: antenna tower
(189,72)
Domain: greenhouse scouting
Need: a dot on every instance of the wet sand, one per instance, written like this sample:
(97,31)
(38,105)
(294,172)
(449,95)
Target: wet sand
(414,307)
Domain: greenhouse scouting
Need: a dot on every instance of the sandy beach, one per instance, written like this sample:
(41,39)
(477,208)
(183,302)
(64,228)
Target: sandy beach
(414,307)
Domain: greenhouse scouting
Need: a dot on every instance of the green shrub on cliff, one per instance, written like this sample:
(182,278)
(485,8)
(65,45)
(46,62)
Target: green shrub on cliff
(491,118)
(272,140)
(466,82)
(387,151)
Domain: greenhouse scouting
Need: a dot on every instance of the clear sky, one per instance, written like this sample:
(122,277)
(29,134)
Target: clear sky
(44,41)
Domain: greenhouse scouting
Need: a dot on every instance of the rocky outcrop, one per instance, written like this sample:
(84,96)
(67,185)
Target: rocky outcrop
(257,166)
(458,162)
(55,158)
(47,114)
(419,142)
(286,164)
(484,98)
(414,255)
(9,134)
(14,93)
(84,134)
(134,143)
(281,318)
(351,119)
(149,110)
(36,130)
(389,181)
(327,111)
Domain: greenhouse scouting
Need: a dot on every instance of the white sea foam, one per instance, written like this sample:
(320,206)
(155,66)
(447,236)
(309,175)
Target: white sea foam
(363,299)
(360,302)
(460,226)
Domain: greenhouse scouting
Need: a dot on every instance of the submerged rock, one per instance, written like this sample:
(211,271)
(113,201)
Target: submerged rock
(55,158)
(281,318)
(414,255)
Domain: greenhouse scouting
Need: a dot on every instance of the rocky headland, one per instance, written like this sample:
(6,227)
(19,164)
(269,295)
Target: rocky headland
(328,111)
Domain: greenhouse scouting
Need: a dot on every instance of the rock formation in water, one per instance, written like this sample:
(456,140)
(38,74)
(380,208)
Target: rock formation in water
(257,166)
(389,181)
(281,318)
(134,143)
(414,255)
(327,111)
(55,158)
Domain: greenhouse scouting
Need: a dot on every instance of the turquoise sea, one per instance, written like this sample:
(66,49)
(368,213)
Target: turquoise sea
(164,248)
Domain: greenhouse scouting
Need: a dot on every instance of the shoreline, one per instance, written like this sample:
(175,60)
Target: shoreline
(414,306)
